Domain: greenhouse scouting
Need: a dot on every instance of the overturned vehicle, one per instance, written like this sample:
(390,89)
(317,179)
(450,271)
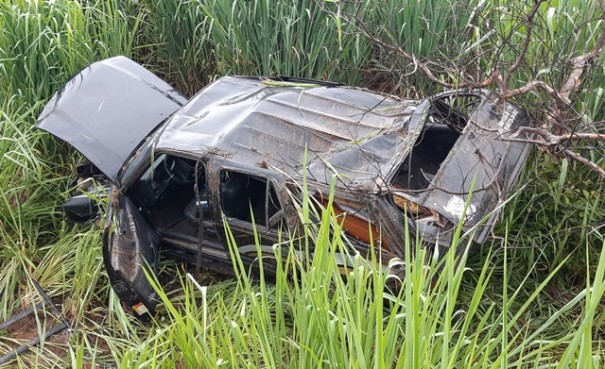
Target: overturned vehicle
(235,152)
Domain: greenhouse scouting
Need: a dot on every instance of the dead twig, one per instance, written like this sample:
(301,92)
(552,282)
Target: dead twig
(584,161)
(547,135)
(529,29)
(554,144)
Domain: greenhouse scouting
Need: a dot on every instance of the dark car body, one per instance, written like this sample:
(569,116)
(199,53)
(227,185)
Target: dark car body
(237,150)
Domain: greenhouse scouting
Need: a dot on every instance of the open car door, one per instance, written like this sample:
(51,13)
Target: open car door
(107,109)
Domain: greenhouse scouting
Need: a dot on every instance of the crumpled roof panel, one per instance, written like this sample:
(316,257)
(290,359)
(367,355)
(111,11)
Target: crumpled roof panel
(252,122)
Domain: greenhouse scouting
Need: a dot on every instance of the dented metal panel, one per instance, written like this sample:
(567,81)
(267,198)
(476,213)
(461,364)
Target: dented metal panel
(130,247)
(107,109)
(276,124)
(235,152)
(475,178)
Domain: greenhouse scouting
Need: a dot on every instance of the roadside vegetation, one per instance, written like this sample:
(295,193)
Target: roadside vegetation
(531,297)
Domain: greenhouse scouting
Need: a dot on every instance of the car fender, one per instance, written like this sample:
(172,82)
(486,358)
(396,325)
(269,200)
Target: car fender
(130,254)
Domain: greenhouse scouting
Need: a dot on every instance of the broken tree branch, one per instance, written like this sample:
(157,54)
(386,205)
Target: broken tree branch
(528,38)
(579,65)
(553,140)
(584,161)
(549,134)
(554,144)
(532,86)
(400,51)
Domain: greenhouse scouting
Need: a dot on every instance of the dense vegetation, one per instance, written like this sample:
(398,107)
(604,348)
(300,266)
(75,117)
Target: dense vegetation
(532,297)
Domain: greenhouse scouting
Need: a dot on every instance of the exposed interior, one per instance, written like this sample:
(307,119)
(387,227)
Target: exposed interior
(166,194)
(445,122)
(245,197)
(431,149)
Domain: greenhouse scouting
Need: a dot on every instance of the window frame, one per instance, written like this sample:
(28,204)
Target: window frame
(271,222)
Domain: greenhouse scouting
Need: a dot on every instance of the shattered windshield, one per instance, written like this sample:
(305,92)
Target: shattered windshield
(141,156)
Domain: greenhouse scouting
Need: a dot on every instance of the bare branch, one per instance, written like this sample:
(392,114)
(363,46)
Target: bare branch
(532,86)
(587,162)
(400,51)
(582,137)
(495,77)
(580,63)
(552,143)
(551,139)
(549,136)
(528,39)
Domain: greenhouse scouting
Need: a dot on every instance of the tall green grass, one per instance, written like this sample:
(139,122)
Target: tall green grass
(263,37)
(435,31)
(175,41)
(310,316)
(193,42)
(532,298)
(42,44)
(563,29)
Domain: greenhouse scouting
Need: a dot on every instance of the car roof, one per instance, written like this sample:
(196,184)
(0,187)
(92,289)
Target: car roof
(263,123)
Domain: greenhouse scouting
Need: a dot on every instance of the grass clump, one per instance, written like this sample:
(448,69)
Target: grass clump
(443,315)
(42,44)
(193,42)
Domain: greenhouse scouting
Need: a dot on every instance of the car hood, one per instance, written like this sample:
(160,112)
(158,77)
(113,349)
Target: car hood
(107,109)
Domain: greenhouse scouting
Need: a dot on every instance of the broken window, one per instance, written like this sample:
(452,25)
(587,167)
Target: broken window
(166,190)
(245,197)
(446,120)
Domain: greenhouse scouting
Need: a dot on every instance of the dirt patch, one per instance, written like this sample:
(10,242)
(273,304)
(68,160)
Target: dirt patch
(26,329)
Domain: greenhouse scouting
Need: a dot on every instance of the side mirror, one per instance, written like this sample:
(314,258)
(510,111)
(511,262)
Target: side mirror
(81,209)
(86,207)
